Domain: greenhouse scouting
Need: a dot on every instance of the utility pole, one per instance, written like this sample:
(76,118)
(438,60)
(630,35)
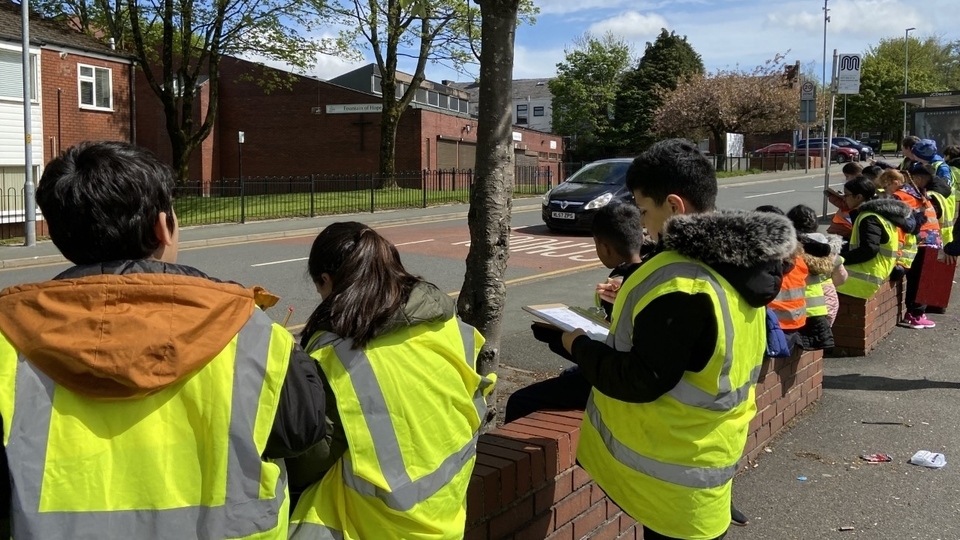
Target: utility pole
(823,79)
(906,63)
(29,194)
(828,136)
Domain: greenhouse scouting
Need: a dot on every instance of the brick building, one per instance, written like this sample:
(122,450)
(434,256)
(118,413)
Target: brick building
(319,127)
(80,91)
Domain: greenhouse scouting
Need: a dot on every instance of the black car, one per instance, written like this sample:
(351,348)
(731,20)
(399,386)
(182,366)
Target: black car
(572,204)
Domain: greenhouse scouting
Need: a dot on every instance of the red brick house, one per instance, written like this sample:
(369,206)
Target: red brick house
(81,91)
(318,127)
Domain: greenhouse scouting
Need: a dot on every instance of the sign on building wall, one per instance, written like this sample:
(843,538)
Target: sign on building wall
(353,108)
(848,74)
(553,145)
(517,136)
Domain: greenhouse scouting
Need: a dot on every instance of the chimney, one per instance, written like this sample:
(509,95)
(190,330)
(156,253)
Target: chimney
(447,82)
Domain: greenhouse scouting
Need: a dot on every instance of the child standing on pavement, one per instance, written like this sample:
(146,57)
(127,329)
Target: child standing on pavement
(618,236)
(822,255)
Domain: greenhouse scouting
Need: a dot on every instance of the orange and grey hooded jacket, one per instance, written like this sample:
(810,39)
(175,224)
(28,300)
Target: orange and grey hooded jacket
(127,330)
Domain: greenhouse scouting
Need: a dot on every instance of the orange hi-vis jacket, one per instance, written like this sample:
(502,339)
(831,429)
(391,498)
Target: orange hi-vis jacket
(791,304)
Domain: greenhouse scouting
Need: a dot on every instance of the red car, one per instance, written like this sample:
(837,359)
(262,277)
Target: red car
(775,148)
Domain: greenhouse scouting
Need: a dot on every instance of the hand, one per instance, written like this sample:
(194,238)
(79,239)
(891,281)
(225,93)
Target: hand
(608,290)
(950,259)
(569,337)
(552,336)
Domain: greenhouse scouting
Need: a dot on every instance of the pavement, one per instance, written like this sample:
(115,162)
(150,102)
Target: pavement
(900,399)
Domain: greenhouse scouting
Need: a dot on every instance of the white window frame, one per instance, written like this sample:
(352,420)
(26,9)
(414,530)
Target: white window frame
(35,77)
(82,79)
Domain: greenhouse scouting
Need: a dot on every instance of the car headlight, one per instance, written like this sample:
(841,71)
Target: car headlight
(546,198)
(599,201)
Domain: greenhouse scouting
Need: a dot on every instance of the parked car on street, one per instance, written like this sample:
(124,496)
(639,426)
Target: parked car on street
(866,152)
(572,204)
(875,144)
(837,153)
(775,148)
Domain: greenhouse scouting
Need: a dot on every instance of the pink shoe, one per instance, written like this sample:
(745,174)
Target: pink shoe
(917,323)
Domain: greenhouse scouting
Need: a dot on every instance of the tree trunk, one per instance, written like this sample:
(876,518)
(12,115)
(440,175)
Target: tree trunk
(721,150)
(181,156)
(389,121)
(483,294)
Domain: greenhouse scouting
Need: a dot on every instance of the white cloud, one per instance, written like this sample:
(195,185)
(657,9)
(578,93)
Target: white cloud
(854,18)
(560,7)
(630,25)
(535,63)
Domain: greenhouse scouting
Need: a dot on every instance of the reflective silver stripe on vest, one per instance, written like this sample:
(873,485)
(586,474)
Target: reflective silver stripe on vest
(862,276)
(889,253)
(691,477)
(816,301)
(621,338)
(790,294)
(790,315)
(242,514)
(469,345)
(313,531)
(404,493)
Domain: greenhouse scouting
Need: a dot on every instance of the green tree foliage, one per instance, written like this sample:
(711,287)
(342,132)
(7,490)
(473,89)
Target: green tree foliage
(584,92)
(427,31)
(934,66)
(730,101)
(179,44)
(666,62)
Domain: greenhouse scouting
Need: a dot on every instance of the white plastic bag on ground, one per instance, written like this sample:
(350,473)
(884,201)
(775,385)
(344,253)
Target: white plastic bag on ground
(926,458)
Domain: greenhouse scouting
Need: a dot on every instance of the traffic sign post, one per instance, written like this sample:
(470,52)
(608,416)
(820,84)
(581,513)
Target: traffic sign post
(808,114)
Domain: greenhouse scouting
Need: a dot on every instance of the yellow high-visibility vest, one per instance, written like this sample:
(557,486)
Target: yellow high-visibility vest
(411,404)
(670,463)
(184,462)
(864,279)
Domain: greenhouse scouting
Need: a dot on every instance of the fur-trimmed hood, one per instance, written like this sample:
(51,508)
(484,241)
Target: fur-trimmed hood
(820,252)
(747,248)
(895,210)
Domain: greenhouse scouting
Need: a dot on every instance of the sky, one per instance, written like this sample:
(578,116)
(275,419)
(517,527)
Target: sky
(726,33)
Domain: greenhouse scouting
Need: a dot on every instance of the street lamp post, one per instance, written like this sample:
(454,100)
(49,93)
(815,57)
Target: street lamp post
(906,64)
(826,19)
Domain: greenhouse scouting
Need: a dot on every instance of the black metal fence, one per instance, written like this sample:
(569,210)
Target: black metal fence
(257,198)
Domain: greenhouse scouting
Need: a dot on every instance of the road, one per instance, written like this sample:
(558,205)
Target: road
(544,266)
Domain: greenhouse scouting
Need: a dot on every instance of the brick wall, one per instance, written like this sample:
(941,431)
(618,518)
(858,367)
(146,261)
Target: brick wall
(64,122)
(15,230)
(526,484)
(862,324)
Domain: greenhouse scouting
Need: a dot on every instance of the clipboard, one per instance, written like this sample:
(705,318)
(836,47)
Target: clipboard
(569,318)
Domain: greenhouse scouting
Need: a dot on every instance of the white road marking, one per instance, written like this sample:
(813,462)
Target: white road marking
(279,262)
(769,194)
(411,243)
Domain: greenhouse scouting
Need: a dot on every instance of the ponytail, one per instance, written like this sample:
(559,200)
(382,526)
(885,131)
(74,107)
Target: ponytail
(370,283)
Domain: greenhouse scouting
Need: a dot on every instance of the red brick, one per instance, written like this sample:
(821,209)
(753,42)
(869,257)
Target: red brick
(556,491)
(491,485)
(589,520)
(608,531)
(478,532)
(537,529)
(626,522)
(767,414)
(572,506)
(612,509)
(553,418)
(776,424)
(520,459)
(508,476)
(538,455)
(563,533)
(512,519)
(580,477)
(596,494)
(552,442)
(475,509)
(567,437)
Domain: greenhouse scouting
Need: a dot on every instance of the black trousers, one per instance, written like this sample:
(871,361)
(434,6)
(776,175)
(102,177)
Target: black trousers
(568,391)
(913,284)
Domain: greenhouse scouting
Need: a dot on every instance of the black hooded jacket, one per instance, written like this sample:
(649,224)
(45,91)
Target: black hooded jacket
(677,332)
(870,232)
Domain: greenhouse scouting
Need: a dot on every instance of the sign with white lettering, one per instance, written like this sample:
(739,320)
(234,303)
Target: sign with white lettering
(517,136)
(353,108)
(848,74)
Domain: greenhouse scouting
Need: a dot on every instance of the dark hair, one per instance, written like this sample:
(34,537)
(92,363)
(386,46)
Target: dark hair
(619,226)
(770,209)
(674,167)
(370,283)
(924,171)
(952,151)
(101,202)
(862,185)
(909,141)
(871,172)
(852,168)
(804,219)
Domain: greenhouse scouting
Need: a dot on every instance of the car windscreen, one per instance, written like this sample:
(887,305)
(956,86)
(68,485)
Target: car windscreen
(601,173)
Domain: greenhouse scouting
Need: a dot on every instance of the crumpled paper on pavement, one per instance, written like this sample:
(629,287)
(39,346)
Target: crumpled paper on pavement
(926,458)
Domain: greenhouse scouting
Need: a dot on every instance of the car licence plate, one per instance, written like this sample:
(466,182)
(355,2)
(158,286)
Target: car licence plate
(563,215)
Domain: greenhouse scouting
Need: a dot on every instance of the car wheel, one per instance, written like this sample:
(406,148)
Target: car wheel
(841,158)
